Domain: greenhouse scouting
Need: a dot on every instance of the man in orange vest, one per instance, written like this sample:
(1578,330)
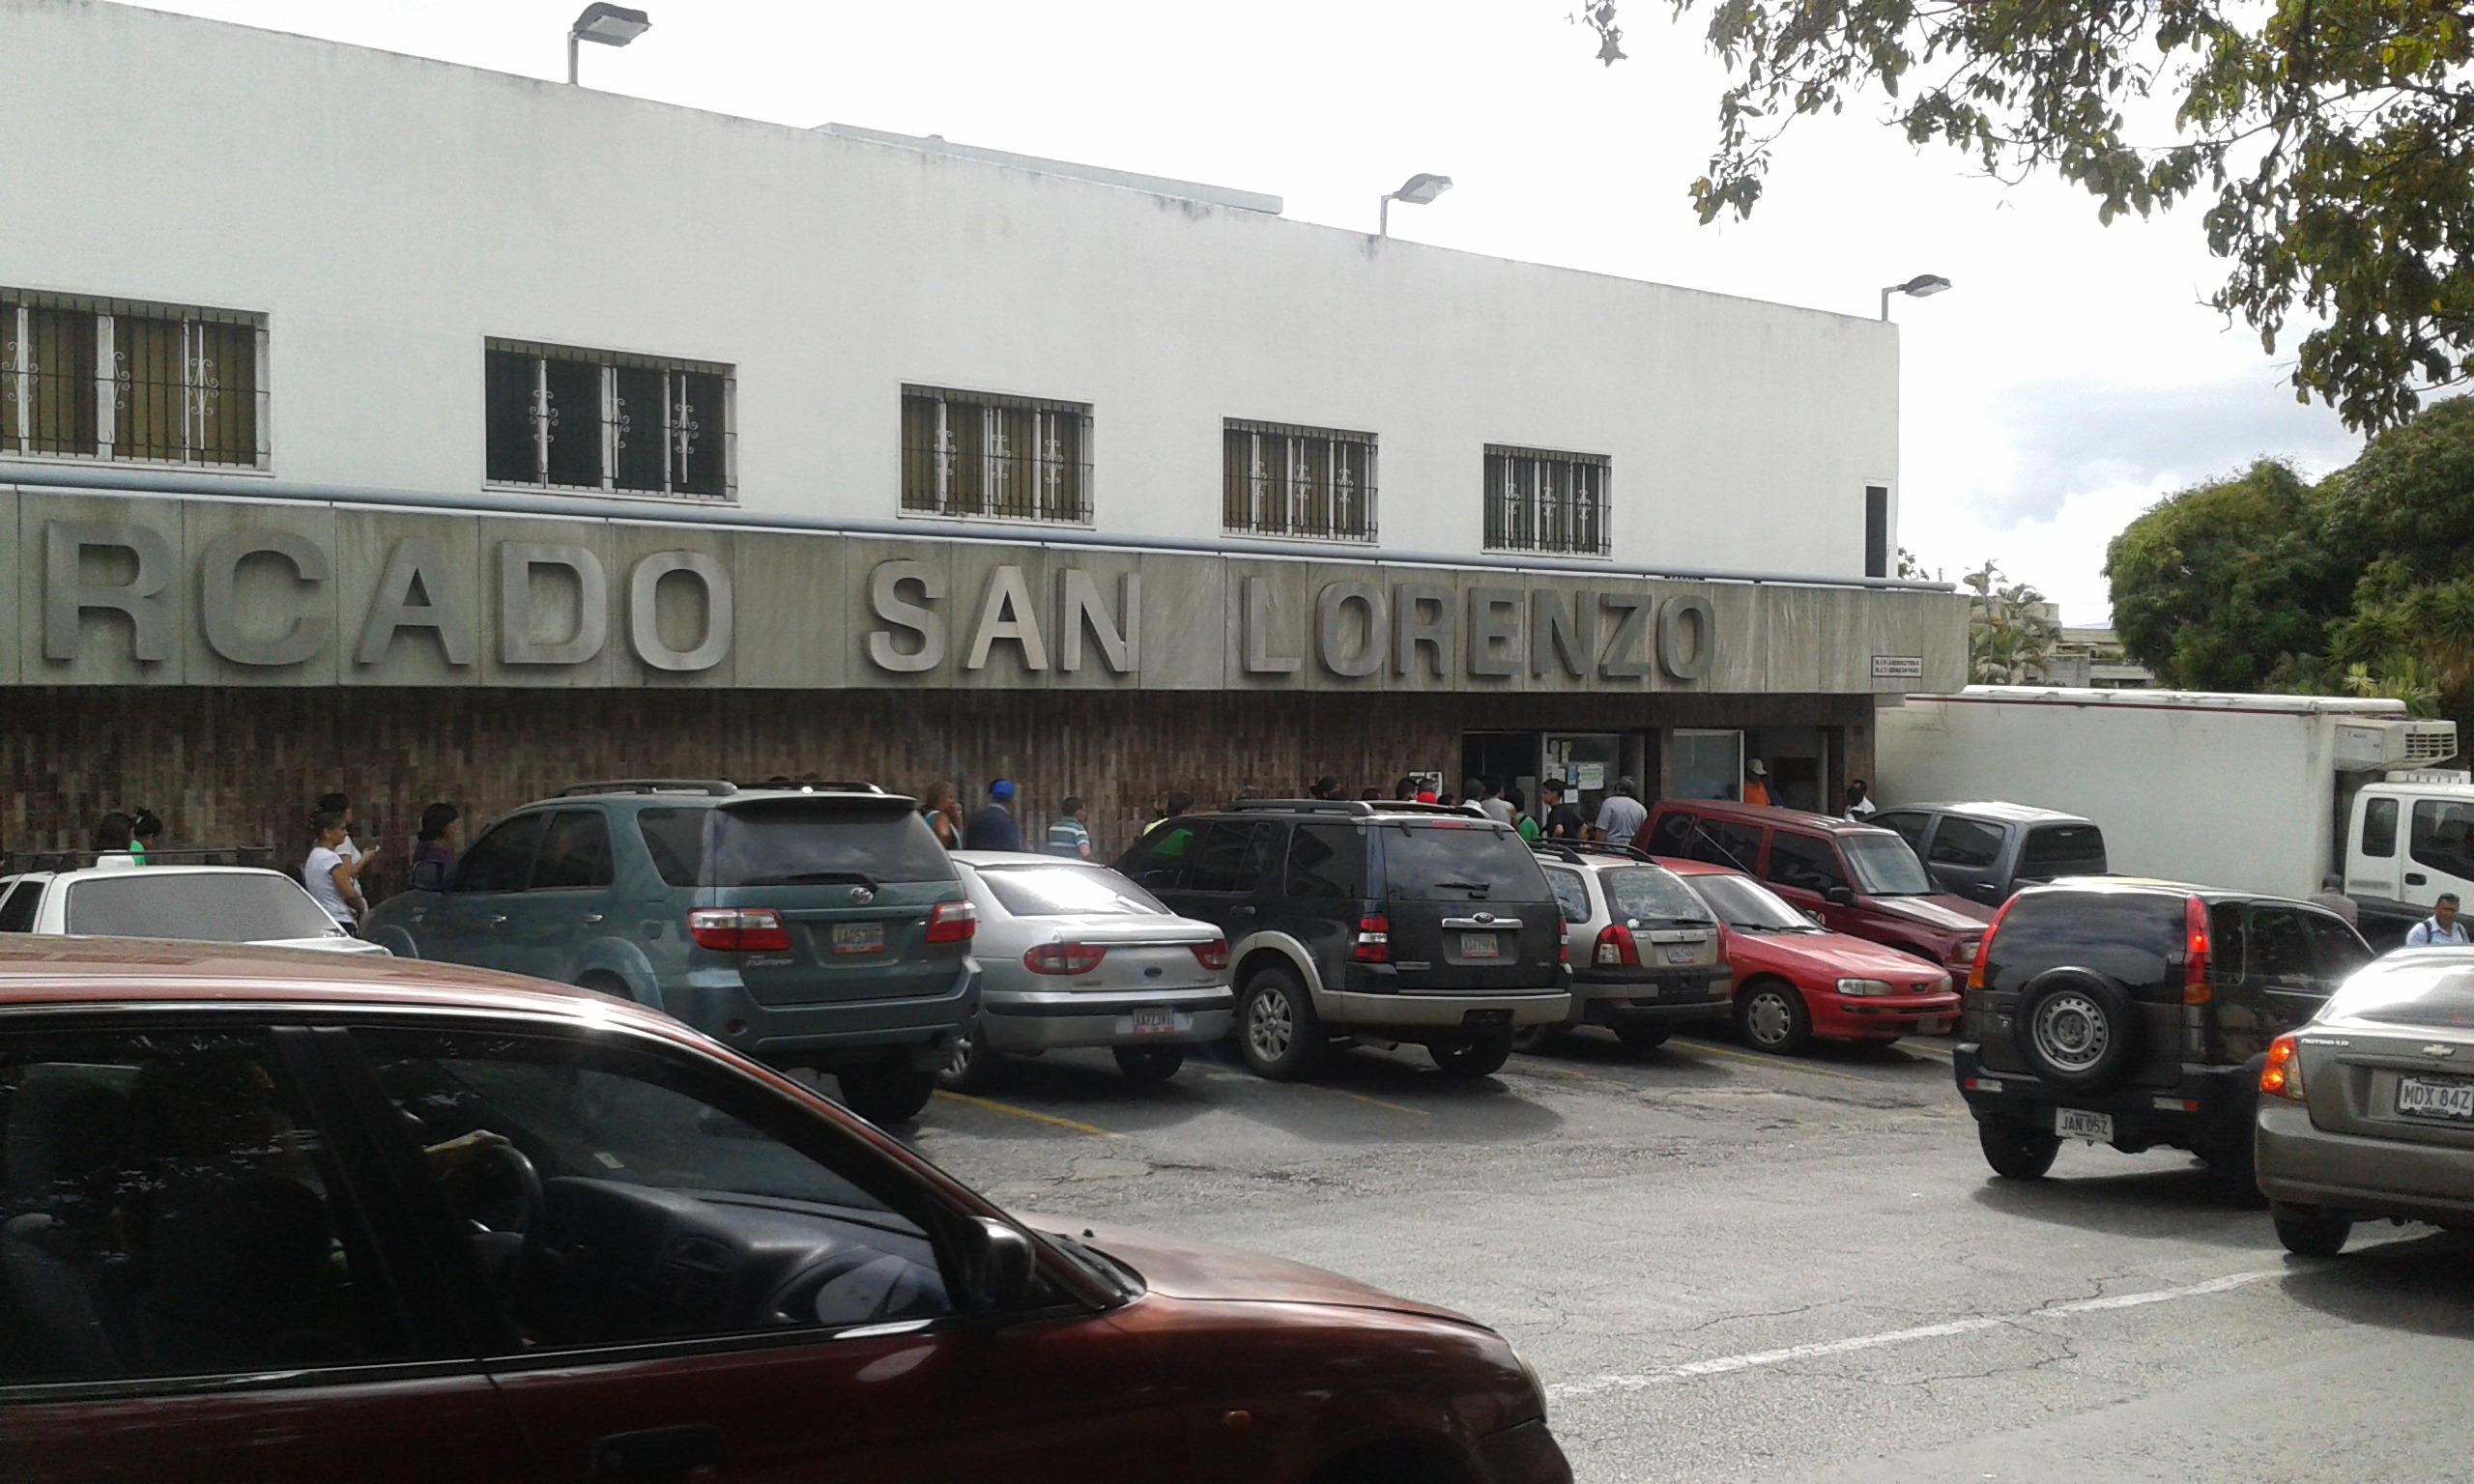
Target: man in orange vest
(1756,782)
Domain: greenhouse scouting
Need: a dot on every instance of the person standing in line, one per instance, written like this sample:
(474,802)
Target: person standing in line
(1756,782)
(1518,803)
(1487,794)
(1563,820)
(328,876)
(1178,803)
(1859,803)
(1621,815)
(2332,895)
(111,834)
(1327,789)
(994,828)
(2439,930)
(353,855)
(1067,837)
(434,853)
(943,814)
(145,833)
(1406,790)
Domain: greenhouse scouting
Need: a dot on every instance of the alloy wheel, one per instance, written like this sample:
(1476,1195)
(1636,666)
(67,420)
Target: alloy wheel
(1270,1023)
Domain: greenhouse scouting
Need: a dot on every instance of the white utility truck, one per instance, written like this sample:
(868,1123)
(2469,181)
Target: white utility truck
(2262,793)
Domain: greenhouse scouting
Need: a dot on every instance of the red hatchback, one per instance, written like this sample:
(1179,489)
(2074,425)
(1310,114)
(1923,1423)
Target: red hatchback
(1795,980)
(276,1215)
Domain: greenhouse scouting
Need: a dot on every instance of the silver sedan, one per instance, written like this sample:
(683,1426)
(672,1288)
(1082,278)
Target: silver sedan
(1074,954)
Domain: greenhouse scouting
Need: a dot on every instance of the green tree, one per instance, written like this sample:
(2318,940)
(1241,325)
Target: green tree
(2010,634)
(2219,587)
(2332,142)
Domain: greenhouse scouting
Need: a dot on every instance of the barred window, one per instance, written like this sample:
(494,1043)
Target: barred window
(976,453)
(1277,480)
(1543,501)
(572,419)
(108,379)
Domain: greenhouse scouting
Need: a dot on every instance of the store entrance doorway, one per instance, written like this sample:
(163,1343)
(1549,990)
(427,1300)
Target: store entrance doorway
(1589,762)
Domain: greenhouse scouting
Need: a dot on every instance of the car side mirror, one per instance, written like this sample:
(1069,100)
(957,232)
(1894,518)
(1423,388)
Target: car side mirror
(1842,896)
(998,1266)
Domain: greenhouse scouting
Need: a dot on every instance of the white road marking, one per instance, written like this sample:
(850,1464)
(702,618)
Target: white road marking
(1726,1364)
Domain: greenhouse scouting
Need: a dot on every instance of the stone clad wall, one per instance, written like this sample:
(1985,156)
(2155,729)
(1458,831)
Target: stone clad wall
(242,765)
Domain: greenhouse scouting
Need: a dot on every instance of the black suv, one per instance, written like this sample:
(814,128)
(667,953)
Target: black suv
(2137,1014)
(1383,922)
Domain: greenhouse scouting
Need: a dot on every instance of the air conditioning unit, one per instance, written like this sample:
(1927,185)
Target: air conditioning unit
(2371,746)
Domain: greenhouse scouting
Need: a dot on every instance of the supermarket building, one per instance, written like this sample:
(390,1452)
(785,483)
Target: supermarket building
(463,436)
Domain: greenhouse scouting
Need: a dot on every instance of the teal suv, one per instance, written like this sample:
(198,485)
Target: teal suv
(807,925)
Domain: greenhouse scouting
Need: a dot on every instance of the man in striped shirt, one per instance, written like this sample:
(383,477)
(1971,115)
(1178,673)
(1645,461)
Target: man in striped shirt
(1067,837)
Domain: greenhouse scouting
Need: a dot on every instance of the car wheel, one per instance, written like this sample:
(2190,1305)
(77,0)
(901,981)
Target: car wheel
(606,983)
(1278,1033)
(2015,1151)
(967,1060)
(889,1092)
(2078,1032)
(2310,1232)
(1150,1066)
(1642,1038)
(1531,1039)
(1770,1015)
(1478,1056)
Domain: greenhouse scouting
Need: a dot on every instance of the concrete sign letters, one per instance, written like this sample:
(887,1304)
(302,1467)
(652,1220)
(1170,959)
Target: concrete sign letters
(67,595)
(588,625)
(644,611)
(229,632)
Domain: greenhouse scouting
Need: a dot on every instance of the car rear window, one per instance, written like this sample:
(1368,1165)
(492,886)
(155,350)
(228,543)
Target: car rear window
(810,841)
(1068,891)
(2428,996)
(1647,894)
(2063,850)
(2135,937)
(238,908)
(1447,860)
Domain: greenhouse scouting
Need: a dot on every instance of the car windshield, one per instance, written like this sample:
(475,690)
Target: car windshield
(1885,865)
(805,841)
(1068,891)
(2427,997)
(1450,860)
(1649,894)
(252,906)
(1747,906)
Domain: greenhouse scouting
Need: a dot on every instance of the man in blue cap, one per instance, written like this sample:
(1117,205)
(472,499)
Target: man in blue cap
(994,828)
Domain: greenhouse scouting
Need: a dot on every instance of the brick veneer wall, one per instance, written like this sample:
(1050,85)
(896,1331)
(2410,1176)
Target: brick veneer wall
(241,766)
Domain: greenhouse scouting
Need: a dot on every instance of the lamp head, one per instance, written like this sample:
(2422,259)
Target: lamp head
(612,25)
(1420,189)
(1924,286)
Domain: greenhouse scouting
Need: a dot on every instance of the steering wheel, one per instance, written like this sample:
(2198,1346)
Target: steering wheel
(510,1166)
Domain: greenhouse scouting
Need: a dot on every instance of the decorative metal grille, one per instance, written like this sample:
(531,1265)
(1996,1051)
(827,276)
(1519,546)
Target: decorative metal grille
(1539,500)
(573,419)
(972,453)
(1277,480)
(106,378)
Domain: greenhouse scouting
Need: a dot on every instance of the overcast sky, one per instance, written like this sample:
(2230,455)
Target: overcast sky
(2073,376)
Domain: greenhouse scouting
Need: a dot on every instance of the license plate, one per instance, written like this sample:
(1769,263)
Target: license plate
(859,937)
(1928,1025)
(2436,1099)
(1478,945)
(2079,1123)
(1680,955)
(1152,1022)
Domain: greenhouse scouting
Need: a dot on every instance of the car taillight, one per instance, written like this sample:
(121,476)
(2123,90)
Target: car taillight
(1984,946)
(1374,940)
(953,922)
(738,930)
(2194,990)
(1615,948)
(1064,958)
(2282,1076)
(1214,955)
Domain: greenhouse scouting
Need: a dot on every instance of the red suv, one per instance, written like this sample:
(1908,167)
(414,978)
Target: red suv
(1854,878)
(270,1216)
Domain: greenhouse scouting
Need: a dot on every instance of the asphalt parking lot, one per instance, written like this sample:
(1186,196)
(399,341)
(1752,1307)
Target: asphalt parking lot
(1729,1265)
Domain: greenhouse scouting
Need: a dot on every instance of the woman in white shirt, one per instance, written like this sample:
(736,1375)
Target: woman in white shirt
(328,876)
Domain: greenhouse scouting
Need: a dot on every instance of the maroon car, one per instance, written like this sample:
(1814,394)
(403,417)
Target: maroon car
(1854,878)
(272,1216)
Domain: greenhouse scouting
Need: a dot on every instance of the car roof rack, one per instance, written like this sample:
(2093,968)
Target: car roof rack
(14,863)
(1571,851)
(816,785)
(715,787)
(1362,809)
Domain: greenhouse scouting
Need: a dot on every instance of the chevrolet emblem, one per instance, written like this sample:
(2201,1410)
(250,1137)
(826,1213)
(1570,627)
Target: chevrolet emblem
(2436,1049)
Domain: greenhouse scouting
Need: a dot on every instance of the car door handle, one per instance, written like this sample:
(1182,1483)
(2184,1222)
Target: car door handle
(2414,878)
(592,917)
(659,1453)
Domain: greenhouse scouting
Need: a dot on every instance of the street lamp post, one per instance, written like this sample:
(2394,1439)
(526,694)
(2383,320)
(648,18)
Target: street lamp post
(1922,286)
(1418,191)
(611,26)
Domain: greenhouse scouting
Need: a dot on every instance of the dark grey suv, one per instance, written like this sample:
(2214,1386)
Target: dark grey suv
(810,925)
(1986,851)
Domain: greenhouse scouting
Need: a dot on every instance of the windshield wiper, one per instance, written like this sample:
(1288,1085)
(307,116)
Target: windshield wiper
(1469,886)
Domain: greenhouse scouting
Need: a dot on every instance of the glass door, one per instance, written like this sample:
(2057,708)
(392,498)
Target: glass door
(1589,762)
(1709,763)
